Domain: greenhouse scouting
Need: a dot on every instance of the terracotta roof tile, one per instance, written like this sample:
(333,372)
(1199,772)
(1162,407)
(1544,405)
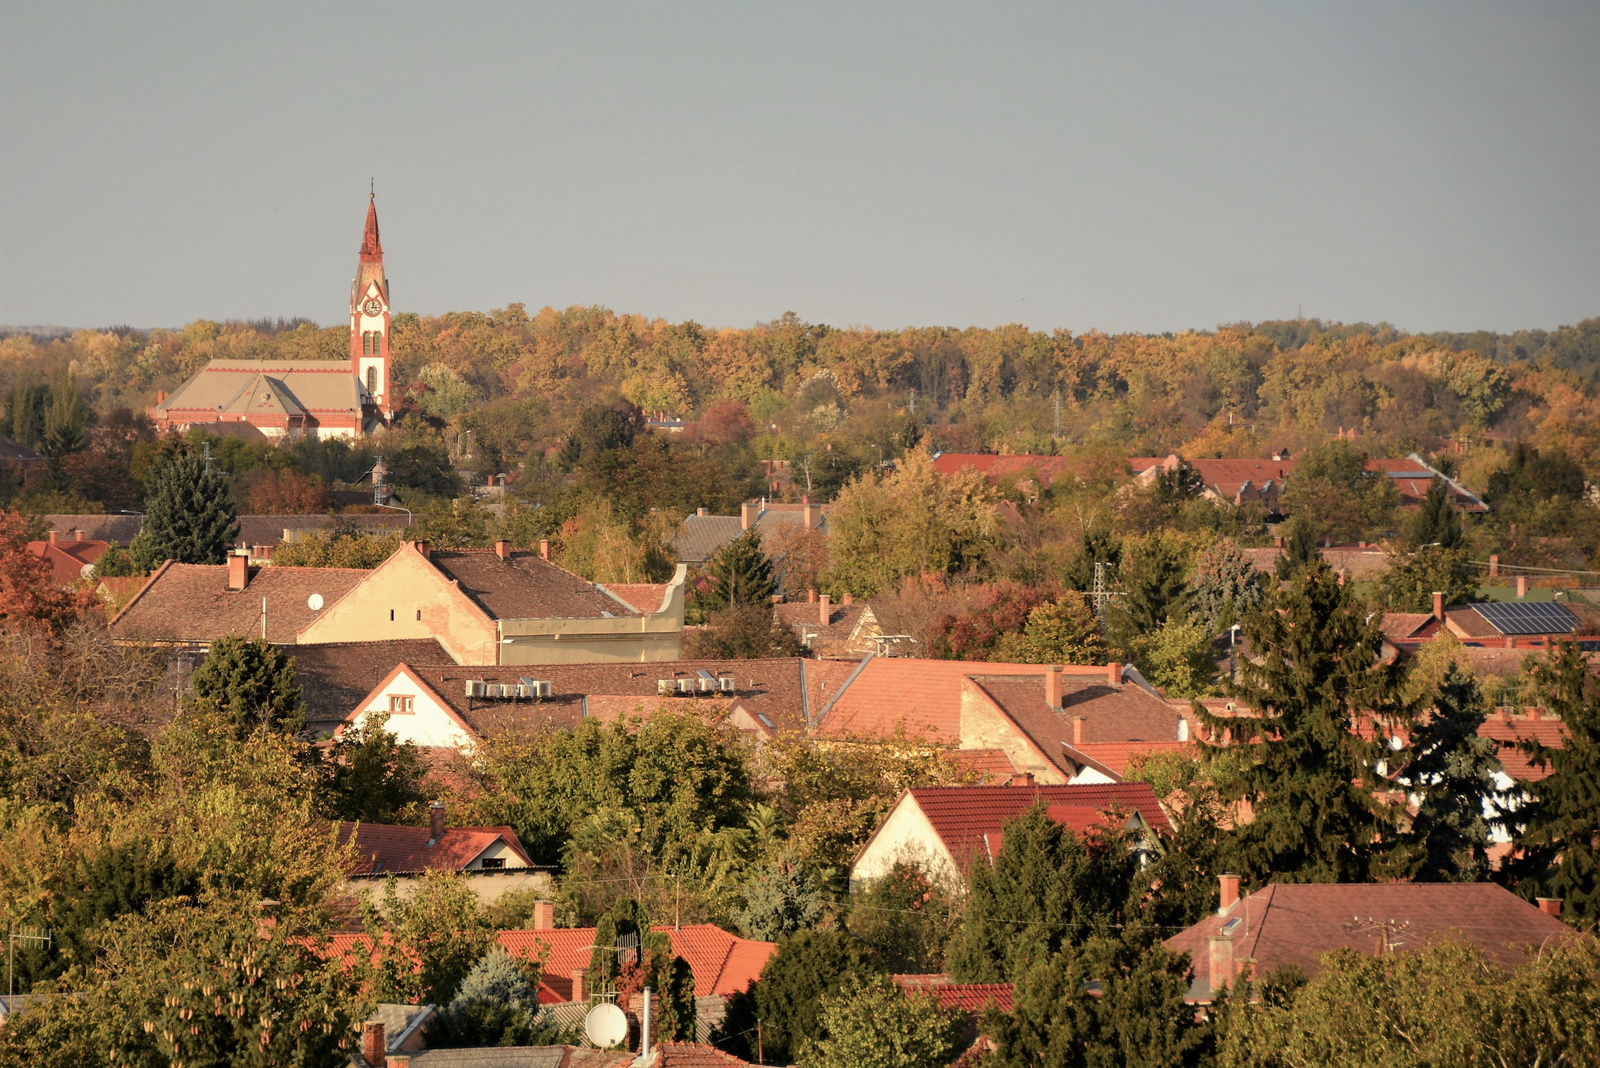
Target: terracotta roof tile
(963,815)
(1508,734)
(1121,714)
(324,386)
(525,586)
(722,963)
(68,558)
(1401,626)
(1114,756)
(1296,923)
(969,998)
(924,695)
(391,849)
(696,1055)
(644,597)
(192,602)
(116,529)
(992,765)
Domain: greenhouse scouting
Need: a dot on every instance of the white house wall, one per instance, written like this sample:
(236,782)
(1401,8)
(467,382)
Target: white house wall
(906,835)
(428,724)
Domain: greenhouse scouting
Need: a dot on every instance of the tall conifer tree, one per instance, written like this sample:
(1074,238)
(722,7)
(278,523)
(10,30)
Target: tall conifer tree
(1559,843)
(189,515)
(1308,775)
(1452,769)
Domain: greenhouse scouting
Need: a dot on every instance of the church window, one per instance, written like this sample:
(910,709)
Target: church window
(372,380)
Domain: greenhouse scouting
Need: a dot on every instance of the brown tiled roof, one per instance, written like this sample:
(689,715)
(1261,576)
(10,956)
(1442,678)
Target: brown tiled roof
(16,452)
(68,558)
(336,676)
(700,536)
(993,766)
(318,386)
(1469,624)
(192,602)
(774,689)
(390,848)
(525,586)
(644,597)
(1296,923)
(1126,713)
(696,1055)
(804,618)
(963,815)
(1113,757)
(722,963)
(116,529)
(1402,626)
(1357,563)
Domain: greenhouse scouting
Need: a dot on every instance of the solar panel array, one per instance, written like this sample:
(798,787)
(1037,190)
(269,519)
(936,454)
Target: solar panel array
(1528,617)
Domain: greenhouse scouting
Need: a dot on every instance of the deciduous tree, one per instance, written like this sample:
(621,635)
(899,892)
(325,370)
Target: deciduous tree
(871,1023)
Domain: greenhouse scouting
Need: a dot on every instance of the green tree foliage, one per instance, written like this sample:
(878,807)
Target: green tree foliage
(1533,477)
(250,684)
(189,514)
(671,778)
(1047,888)
(207,982)
(1332,490)
(66,421)
(908,522)
(373,776)
(740,574)
(1097,545)
(1224,586)
(1064,631)
(1177,657)
(1308,775)
(1154,582)
(1301,548)
(905,917)
(872,1023)
(1437,522)
(787,999)
(780,898)
(1453,770)
(1413,578)
(496,1005)
(424,944)
(1557,839)
(1137,1016)
(742,632)
(1443,1005)
(993,612)
(358,550)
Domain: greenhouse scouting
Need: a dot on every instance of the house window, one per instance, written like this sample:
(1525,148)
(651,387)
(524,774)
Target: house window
(400,704)
(391,615)
(366,343)
(494,863)
(372,379)
(419,615)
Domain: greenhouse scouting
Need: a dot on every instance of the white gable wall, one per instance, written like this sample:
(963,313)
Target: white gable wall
(906,835)
(428,724)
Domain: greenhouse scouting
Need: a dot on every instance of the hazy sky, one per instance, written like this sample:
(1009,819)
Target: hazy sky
(1118,166)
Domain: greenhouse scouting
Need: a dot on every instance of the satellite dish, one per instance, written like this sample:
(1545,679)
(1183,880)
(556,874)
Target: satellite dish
(314,602)
(605,1025)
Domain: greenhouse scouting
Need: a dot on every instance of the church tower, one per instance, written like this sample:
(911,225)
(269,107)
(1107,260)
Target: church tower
(369,319)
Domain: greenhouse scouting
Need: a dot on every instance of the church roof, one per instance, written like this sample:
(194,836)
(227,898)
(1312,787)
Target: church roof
(371,247)
(268,387)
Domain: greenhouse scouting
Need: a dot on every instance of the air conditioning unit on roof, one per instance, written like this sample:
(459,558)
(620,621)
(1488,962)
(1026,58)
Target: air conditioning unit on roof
(725,684)
(685,685)
(664,688)
(474,688)
(707,685)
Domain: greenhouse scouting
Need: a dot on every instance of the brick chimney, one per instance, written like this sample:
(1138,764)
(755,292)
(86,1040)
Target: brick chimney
(544,915)
(1438,605)
(55,538)
(824,610)
(238,569)
(849,599)
(1277,543)
(702,512)
(1052,687)
(502,548)
(1077,730)
(161,396)
(1522,586)
(1221,962)
(810,514)
(578,993)
(1021,778)
(435,822)
(374,1050)
(1550,906)
(1228,892)
(1494,565)
(811,597)
(77,535)
(1114,673)
(749,512)
(544,548)
(422,548)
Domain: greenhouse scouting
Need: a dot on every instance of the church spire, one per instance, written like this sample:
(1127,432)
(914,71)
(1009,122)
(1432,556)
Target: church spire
(371,247)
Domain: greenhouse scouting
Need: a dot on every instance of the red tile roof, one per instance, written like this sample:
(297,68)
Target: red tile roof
(525,586)
(968,818)
(337,676)
(1114,756)
(643,597)
(192,602)
(695,1055)
(924,695)
(1296,923)
(964,997)
(1508,734)
(390,849)
(992,765)
(722,963)
(68,558)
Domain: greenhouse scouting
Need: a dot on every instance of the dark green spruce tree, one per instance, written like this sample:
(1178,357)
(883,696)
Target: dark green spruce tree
(1437,522)
(1300,548)
(1310,778)
(248,683)
(189,515)
(1452,769)
(740,573)
(1048,888)
(786,1001)
(1559,841)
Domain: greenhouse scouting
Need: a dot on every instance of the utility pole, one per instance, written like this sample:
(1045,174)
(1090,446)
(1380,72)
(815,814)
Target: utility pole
(1057,399)
(1101,595)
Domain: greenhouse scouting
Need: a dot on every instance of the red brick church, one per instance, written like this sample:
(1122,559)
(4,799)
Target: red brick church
(303,398)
